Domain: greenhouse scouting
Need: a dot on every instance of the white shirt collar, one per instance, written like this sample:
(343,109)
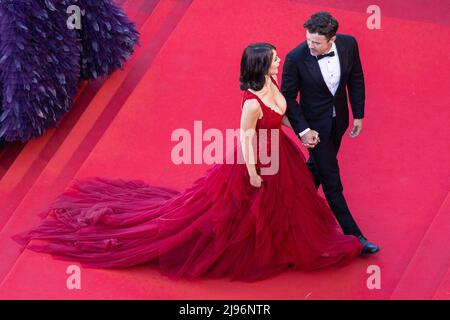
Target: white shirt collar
(333,48)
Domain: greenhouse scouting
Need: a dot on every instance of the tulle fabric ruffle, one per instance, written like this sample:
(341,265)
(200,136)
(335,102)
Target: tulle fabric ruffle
(219,227)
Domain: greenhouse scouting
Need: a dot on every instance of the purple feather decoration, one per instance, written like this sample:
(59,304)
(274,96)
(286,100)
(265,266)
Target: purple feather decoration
(107,38)
(42,60)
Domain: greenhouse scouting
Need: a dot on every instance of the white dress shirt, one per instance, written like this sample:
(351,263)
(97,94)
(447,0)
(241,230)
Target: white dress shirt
(331,73)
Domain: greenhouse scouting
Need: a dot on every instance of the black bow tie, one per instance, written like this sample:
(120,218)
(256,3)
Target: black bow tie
(321,56)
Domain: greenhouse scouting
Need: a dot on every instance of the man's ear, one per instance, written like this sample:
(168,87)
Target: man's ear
(333,39)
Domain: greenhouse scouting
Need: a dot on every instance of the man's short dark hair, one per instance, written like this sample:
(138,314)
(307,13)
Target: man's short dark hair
(322,23)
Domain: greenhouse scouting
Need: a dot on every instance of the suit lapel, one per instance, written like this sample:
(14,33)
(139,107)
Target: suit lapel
(343,59)
(314,69)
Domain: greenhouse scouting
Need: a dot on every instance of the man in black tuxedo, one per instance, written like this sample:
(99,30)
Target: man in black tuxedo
(322,69)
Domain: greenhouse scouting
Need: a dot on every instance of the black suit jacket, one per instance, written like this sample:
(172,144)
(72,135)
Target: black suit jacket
(301,74)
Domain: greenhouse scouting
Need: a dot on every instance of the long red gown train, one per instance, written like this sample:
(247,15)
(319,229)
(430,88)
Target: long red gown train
(221,226)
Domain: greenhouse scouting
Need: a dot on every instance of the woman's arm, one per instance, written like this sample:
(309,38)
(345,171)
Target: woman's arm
(286,122)
(251,111)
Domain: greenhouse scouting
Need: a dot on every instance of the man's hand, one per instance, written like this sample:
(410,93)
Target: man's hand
(357,128)
(310,139)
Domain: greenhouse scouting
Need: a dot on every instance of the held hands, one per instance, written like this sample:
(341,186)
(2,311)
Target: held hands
(256,180)
(310,139)
(357,128)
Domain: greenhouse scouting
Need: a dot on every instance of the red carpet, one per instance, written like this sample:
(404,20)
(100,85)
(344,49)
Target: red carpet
(395,175)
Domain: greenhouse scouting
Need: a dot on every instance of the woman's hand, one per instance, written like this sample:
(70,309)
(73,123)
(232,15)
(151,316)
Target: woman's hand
(256,180)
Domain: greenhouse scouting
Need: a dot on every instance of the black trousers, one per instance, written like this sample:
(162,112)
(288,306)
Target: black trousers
(323,164)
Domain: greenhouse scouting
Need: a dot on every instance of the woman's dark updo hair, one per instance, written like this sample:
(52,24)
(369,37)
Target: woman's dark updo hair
(255,64)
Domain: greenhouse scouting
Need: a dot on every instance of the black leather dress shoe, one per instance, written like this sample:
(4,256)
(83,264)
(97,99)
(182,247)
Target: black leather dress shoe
(369,248)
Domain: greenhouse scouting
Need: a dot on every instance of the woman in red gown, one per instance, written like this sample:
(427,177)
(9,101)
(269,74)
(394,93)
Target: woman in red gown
(233,222)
